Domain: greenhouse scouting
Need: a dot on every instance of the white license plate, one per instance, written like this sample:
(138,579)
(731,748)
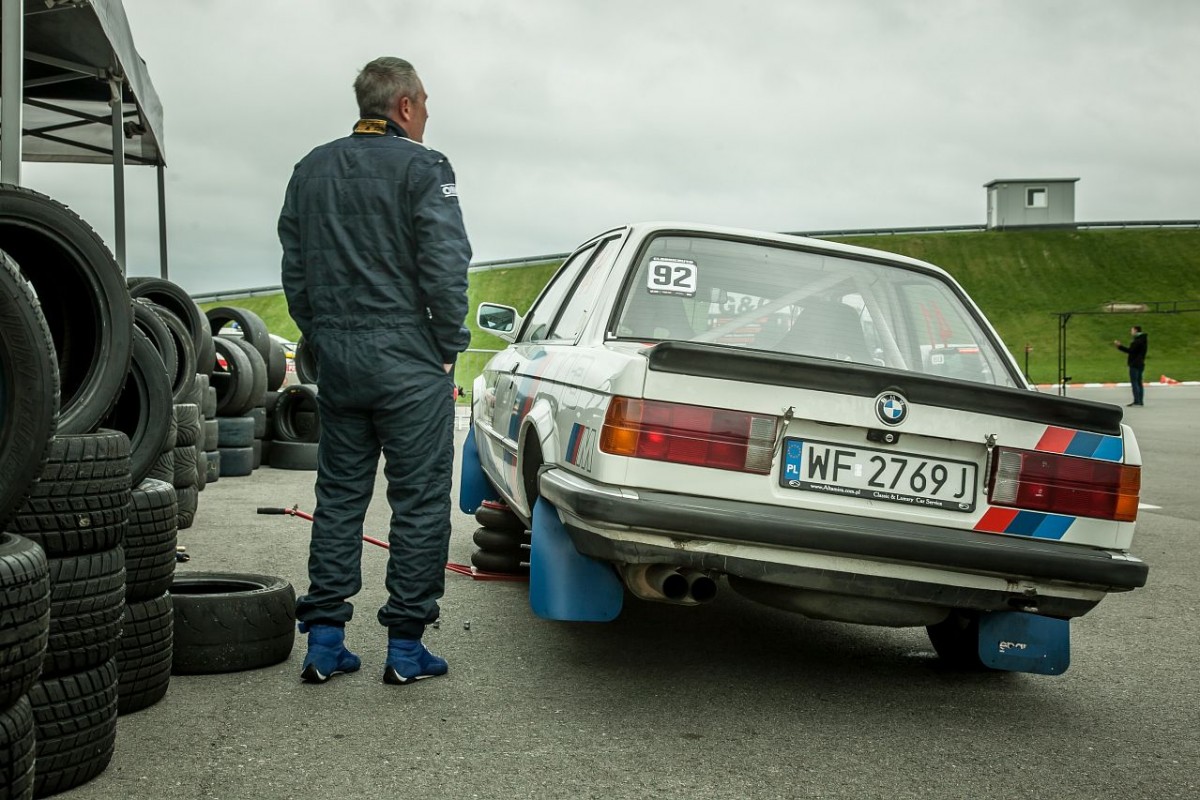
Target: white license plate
(884,475)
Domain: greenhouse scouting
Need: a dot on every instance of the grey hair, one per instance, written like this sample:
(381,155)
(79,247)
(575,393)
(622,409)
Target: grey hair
(382,82)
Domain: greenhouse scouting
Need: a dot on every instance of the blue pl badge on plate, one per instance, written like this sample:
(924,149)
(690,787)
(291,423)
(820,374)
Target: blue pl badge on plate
(1021,642)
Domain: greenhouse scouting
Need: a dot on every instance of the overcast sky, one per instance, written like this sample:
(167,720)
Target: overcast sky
(566,118)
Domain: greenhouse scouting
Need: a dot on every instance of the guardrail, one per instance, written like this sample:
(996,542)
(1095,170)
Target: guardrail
(532,261)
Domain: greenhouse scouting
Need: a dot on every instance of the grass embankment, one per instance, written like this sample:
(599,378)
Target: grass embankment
(1021,280)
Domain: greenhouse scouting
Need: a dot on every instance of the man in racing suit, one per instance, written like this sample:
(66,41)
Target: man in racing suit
(374,269)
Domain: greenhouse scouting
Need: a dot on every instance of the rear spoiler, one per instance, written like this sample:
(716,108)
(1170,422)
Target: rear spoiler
(804,372)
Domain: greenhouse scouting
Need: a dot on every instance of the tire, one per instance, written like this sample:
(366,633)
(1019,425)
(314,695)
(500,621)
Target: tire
(201,467)
(294,455)
(24,616)
(258,368)
(189,502)
(505,563)
(164,468)
(183,379)
(259,415)
(75,719)
(499,518)
(236,462)
(212,434)
(276,367)
(186,473)
(147,320)
(235,383)
(306,362)
(228,622)
(17,750)
(956,641)
(293,401)
(144,409)
(507,542)
(146,654)
(254,330)
(87,597)
(209,408)
(235,431)
(187,424)
(150,540)
(83,297)
(214,465)
(81,503)
(257,449)
(174,299)
(28,388)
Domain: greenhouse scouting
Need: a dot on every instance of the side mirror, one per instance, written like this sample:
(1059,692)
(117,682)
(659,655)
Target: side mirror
(498,320)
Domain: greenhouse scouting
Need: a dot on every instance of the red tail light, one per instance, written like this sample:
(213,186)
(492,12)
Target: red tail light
(683,434)
(1059,484)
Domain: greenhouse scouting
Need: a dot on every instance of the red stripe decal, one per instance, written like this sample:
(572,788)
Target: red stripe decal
(1055,440)
(996,520)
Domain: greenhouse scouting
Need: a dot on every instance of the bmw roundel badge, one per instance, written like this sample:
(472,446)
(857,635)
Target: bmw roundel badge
(891,408)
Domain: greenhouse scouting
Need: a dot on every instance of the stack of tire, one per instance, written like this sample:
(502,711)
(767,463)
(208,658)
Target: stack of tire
(260,421)
(502,540)
(69,347)
(294,424)
(185,347)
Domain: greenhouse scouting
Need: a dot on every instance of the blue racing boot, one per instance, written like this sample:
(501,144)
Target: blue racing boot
(409,661)
(327,654)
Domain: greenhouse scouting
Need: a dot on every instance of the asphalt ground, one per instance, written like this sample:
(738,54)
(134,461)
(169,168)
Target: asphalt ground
(727,700)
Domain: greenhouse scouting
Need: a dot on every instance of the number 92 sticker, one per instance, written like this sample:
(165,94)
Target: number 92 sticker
(672,276)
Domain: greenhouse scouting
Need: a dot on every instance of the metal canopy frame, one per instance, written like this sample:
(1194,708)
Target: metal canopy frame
(74,89)
(1143,308)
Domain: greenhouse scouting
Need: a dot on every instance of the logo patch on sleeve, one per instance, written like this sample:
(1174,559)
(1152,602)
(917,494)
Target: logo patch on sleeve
(449,190)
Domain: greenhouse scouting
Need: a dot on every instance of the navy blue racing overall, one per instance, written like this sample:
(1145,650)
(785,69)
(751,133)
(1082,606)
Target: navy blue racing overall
(375,262)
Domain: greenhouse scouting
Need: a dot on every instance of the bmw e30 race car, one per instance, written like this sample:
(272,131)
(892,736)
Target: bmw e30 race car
(830,429)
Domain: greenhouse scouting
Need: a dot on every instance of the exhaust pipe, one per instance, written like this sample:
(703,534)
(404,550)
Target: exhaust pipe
(667,584)
(702,587)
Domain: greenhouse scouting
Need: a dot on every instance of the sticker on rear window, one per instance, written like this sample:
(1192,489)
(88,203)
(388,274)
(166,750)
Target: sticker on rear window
(672,276)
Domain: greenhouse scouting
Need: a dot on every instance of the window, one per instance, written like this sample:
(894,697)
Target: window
(583,299)
(545,308)
(1035,197)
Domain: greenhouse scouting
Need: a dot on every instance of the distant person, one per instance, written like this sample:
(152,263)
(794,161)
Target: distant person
(1136,361)
(375,262)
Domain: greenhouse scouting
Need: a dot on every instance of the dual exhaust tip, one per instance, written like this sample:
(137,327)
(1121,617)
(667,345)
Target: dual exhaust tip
(667,584)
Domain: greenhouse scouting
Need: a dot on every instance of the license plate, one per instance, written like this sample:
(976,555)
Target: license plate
(883,475)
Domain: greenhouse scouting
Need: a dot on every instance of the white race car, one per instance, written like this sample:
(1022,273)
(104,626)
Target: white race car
(833,430)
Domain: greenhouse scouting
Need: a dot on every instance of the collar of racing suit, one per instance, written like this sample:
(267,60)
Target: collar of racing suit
(373,126)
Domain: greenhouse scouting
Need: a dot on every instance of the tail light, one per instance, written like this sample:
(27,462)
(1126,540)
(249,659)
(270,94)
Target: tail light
(683,434)
(1059,484)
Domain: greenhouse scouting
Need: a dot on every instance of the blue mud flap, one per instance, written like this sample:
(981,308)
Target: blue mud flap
(1021,642)
(473,485)
(564,584)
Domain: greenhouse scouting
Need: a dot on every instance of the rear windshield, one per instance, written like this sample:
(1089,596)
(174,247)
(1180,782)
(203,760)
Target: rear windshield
(764,297)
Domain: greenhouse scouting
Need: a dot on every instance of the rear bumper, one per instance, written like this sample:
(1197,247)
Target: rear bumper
(838,553)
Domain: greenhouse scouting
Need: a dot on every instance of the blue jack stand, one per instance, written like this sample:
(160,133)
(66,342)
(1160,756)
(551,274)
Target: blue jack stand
(1020,642)
(564,584)
(473,485)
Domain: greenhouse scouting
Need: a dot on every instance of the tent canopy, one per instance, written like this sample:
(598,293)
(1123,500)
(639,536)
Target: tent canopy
(73,48)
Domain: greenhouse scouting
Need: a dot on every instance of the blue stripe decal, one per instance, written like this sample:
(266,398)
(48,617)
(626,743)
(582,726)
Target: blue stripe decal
(1110,449)
(572,442)
(1039,526)
(1084,444)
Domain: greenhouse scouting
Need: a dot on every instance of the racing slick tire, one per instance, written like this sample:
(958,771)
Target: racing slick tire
(236,462)
(254,330)
(235,382)
(235,431)
(185,383)
(229,622)
(306,362)
(292,403)
(175,300)
(294,455)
